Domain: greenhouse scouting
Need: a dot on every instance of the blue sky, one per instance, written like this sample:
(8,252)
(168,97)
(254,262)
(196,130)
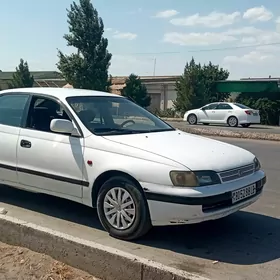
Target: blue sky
(140,32)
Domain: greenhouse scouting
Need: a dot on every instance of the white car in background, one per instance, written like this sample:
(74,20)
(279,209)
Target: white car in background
(232,114)
(104,151)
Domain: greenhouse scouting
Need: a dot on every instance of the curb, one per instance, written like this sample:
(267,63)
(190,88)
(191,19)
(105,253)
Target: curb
(100,261)
(232,134)
(225,133)
(173,119)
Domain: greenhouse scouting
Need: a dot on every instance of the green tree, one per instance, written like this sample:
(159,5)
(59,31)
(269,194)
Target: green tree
(190,88)
(22,77)
(137,91)
(268,103)
(211,74)
(196,87)
(88,68)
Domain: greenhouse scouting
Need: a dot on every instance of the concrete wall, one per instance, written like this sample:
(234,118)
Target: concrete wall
(162,93)
(160,88)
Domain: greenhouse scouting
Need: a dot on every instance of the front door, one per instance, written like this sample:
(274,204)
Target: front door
(49,161)
(12,108)
(206,113)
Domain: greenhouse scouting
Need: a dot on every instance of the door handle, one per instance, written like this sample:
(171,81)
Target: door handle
(25,144)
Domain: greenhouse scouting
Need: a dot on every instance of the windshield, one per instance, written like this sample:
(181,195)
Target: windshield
(106,115)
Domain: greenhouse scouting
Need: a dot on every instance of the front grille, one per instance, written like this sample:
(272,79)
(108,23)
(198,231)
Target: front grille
(237,173)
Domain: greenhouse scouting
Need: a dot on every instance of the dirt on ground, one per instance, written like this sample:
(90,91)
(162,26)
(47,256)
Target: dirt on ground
(18,263)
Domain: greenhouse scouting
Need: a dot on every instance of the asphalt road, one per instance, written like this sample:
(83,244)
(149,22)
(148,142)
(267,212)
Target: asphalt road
(243,246)
(253,128)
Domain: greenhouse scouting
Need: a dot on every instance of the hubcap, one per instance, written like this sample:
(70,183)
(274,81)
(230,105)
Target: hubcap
(119,208)
(192,119)
(232,121)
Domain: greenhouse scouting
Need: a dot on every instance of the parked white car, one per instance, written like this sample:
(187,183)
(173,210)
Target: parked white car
(233,114)
(105,151)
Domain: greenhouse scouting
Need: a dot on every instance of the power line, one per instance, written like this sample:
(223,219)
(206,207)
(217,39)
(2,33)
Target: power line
(205,50)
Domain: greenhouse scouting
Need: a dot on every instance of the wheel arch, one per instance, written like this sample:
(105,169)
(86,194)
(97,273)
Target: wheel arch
(102,178)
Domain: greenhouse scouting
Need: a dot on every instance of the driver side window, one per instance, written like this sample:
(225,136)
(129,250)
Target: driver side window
(42,111)
(211,106)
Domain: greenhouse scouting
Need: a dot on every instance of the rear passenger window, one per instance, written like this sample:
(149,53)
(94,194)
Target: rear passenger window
(224,107)
(11,109)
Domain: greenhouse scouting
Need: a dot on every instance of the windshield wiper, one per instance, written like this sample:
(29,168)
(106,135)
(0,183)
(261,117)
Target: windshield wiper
(116,131)
(113,130)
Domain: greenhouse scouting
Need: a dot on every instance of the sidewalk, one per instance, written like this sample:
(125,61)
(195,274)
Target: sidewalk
(20,263)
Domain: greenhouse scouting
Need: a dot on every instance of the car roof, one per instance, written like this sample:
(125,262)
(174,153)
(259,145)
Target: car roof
(61,93)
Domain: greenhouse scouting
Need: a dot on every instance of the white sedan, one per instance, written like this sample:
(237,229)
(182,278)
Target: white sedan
(233,114)
(104,151)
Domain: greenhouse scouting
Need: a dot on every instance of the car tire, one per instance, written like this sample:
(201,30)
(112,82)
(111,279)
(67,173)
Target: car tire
(232,121)
(139,222)
(192,119)
(245,125)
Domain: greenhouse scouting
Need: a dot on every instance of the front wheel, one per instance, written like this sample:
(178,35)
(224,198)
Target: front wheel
(192,119)
(122,209)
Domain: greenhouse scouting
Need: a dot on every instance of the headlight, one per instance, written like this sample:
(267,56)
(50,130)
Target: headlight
(257,164)
(194,179)
(206,178)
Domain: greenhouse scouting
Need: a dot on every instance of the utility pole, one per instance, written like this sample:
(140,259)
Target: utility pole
(155,64)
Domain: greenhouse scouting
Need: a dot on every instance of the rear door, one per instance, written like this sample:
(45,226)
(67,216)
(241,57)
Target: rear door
(12,114)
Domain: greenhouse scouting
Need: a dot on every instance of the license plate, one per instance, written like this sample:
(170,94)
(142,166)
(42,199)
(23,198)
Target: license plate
(243,193)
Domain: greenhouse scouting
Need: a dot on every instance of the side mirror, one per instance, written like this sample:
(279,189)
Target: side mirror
(63,126)
(203,109)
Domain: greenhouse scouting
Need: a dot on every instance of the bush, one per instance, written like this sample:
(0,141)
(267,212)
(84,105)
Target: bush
(167,113)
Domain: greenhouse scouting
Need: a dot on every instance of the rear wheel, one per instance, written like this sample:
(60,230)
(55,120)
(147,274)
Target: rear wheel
(192,119)
(232,121)
(122,209)
(245,125)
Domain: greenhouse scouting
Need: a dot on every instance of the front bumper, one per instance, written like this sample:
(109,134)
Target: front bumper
(187,206)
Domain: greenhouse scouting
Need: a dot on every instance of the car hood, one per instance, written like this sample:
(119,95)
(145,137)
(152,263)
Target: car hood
(194,152)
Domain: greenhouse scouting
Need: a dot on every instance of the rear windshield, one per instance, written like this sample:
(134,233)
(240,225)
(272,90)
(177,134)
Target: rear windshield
(241,106)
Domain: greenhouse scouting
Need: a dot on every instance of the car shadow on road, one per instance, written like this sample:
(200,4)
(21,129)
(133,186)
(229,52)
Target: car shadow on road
(51,206)
(243,238)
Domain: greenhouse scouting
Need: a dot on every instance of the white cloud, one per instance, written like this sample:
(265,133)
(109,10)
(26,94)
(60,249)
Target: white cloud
(246,30)
(109,29)
(263,37)
(197,39)
(124,35)
(213,20)
(252,57)
(258,14)
(248,41)
(277,21)
(269,49)
(255,36)
(167,14)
